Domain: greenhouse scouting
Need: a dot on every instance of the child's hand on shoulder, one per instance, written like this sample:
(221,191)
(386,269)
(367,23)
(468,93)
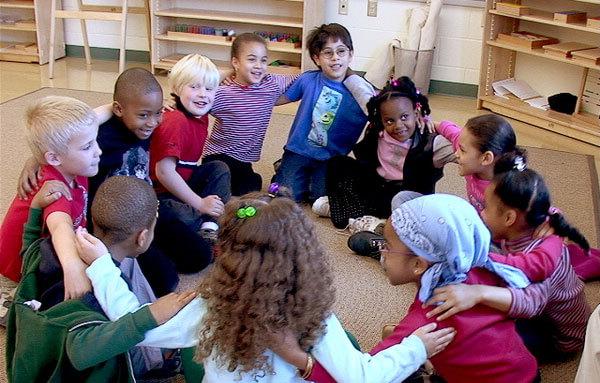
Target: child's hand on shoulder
(434,341)
(89,247)
(426,124)
(167,306)
(76,281)
(452,299)
(28,179)
(211,205)
(49,192)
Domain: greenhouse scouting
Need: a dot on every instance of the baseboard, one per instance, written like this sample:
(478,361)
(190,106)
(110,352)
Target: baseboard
(108,53)
(436,86)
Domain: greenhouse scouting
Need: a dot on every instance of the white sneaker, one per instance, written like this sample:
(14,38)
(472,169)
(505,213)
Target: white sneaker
(321,207)
(366,223)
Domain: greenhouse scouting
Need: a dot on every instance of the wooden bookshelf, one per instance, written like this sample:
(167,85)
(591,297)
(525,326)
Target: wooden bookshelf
(295,17)
(499,62)
(22,4)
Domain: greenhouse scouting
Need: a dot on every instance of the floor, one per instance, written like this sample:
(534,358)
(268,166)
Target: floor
(17,79)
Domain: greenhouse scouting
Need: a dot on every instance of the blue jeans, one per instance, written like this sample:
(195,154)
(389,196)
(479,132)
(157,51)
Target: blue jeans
(305,176)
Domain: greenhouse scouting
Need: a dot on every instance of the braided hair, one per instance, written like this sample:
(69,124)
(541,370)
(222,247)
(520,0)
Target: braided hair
(524,189)
(401,87)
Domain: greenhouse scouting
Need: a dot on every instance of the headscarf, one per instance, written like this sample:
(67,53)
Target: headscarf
(447,232)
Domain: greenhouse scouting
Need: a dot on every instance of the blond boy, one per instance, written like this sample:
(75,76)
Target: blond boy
(61,133)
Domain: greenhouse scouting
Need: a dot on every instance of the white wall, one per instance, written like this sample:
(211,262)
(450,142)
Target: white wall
(458,47)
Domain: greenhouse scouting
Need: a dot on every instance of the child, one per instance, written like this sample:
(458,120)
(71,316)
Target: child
(516,203)
(243,109)
(589,365)
(71,341)
(62,136)
(192,193)
(329,120)
(439,240)
(271,275)
(395,155)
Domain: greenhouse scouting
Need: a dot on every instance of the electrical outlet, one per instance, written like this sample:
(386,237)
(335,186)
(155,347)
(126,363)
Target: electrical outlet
(343,7)
(372,8)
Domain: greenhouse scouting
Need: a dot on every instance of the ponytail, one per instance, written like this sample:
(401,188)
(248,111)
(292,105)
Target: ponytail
(562,228)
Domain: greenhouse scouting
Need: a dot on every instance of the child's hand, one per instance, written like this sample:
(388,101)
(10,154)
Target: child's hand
(434,341)
(211,205)
(453,299)
(49,192)
(89,247)
(76,282)
(166,307)
(544,230)
(426,123)
(228,78)
(169,105)
(28,179)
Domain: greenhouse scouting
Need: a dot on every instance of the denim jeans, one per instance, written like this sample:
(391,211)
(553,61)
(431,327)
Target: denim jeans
(305,176)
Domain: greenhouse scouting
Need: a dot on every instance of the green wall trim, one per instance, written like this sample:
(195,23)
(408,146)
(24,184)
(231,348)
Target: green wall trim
(108,53)
(453,88)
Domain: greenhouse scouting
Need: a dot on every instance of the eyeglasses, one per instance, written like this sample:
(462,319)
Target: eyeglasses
(382,246)
(340,52)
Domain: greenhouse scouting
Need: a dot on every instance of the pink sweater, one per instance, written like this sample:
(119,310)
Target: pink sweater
(486,348)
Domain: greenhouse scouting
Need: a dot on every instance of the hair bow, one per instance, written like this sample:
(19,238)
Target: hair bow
(246,212)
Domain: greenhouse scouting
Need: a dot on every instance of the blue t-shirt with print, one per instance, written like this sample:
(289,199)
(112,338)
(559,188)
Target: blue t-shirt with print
(329,120)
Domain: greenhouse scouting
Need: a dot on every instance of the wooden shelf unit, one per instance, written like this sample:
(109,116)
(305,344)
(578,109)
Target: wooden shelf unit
(499,61)
(285,16)
(39,33)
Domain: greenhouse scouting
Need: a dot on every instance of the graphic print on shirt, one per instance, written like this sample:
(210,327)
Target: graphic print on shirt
(136,163)
(82,217)
(323,116)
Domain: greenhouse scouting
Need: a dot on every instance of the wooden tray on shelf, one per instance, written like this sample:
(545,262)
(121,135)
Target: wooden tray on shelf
(566,49)
(589,56)
(526,39)
(199,36)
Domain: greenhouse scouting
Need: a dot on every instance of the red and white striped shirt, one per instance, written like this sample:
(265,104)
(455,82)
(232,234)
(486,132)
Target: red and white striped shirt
(242,116)
(560,298)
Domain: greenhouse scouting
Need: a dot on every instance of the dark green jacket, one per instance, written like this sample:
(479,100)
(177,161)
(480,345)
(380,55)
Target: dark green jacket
(70,341)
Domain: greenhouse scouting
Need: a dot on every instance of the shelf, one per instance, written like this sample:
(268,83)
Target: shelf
(547,119)
(9,53)
(540,53)
(543,17)
(199,39)
(231,17)
(17,28)
(17,4)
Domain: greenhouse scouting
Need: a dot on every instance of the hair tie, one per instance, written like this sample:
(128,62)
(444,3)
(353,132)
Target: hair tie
(519,163)
(273,190)
(246,212)
(553,210)
(418,91)
(418,105)
(394,83)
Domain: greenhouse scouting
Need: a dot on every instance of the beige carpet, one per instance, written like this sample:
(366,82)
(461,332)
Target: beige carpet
(365,300)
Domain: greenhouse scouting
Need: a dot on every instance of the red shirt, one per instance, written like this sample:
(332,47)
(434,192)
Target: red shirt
(486,348)
(11,232)
(181,137)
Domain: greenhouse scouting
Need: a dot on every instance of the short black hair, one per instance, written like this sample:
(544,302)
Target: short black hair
(135,82)
(317,38)
(122,206)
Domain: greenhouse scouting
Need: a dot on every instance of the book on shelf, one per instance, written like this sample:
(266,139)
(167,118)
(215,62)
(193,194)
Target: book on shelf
(526,39)
(512,9)
(521,90)
(587,56)
(593,22)
(566,49)
(570,16)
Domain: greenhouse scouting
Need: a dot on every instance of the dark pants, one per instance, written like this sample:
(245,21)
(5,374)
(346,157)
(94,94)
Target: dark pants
(537,336)
(305,176)
(243,178)
(355,189)
(177,228)
(159,270)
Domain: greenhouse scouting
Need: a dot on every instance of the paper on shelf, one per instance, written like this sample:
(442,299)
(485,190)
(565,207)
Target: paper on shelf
(517,87)
(539,102)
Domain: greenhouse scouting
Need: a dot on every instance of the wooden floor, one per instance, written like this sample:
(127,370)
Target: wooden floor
(17,79)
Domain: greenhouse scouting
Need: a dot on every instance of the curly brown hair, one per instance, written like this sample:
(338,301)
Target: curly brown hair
(270,274)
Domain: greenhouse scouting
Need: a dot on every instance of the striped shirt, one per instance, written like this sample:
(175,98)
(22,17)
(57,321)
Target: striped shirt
(242,116)
(560,298)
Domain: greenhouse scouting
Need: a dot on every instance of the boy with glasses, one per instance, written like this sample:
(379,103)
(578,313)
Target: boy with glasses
(329,120)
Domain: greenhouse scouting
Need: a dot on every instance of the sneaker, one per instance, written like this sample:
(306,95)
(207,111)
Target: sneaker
(366,223)
(6,299)
(209,235)
(366,243)
(321,207)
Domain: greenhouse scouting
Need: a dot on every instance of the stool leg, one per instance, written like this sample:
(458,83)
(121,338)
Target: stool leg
(52,39)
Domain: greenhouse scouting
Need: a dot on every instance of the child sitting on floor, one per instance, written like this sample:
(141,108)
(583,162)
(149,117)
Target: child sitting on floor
(71,340)
(516,203)
(62,136)
(329,120)
(242,110)
(271,275)
(190,192)
(439,240)
(396,154)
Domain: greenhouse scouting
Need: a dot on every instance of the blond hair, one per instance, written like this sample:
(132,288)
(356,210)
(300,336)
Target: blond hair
(53,121)
(193,68)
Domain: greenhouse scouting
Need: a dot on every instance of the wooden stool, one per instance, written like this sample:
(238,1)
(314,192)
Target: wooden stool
(96,12)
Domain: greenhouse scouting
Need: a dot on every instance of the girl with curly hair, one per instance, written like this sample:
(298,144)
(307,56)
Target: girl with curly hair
(271,279)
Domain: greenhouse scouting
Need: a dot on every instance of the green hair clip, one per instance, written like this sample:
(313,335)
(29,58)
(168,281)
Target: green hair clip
(246,212)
